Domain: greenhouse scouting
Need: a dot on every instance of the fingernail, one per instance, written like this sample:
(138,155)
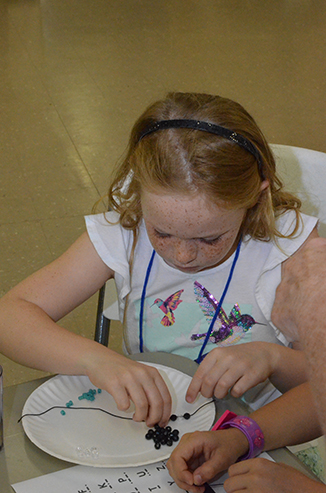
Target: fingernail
(198,480)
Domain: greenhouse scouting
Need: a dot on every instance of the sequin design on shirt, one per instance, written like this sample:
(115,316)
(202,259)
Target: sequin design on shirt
(226,330)
(168,307)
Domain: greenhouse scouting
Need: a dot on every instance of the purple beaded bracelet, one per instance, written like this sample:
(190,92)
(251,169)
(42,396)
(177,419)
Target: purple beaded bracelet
(249,427)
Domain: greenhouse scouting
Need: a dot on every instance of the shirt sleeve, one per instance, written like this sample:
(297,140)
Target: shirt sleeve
(113,244)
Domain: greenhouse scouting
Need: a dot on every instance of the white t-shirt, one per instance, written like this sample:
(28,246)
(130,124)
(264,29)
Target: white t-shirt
(178,324)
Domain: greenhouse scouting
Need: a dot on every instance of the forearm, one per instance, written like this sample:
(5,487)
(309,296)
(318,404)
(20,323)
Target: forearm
(30,337)
(29,312)
(314,343)
(290,419)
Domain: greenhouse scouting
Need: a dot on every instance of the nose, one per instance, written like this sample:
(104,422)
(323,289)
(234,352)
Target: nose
(185,251)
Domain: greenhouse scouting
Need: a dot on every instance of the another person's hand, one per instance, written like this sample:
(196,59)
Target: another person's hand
(235,368)
(129,381)
(265,476)
(202,455)
(303,281)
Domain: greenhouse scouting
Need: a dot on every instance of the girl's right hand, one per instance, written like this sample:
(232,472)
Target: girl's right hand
(129,381)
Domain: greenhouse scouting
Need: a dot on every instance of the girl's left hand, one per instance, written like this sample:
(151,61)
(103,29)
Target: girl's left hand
(265,476)
(238,368)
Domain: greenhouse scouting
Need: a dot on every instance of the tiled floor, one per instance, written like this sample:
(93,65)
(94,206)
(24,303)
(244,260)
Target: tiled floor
(75,74)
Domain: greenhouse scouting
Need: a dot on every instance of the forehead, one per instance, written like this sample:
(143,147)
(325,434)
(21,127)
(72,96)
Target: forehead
(188,216)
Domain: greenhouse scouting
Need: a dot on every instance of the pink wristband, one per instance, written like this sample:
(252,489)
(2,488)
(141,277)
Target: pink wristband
(248,426)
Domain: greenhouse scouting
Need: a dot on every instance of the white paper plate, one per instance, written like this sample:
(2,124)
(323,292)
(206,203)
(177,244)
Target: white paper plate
(94,438)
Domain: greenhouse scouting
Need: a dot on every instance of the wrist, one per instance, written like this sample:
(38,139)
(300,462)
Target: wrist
(238,443)
(92,357)
(249,429)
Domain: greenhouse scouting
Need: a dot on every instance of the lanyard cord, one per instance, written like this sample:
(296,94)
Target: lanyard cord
(142,302)
(218,308)
(217,311)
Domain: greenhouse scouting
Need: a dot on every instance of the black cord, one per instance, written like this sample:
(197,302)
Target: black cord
(76,408)
(98,409)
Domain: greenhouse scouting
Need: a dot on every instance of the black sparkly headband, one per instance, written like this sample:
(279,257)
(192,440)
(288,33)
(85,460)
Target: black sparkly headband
(210,128)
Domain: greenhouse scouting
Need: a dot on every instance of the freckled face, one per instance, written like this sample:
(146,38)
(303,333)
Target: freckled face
(190,232)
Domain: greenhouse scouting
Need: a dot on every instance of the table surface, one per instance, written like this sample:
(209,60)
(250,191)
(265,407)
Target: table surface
(20,459)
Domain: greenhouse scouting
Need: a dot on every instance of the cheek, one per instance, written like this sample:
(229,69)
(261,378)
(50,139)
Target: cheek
(218,251)
(213,253)
(159,244)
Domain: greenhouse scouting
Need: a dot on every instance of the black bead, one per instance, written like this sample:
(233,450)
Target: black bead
(173,417)
(169,442)
(157,445)
(186,416)
(175,438)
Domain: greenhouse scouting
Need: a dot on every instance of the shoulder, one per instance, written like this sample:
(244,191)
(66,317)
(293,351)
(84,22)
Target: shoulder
(286,222)
(112,242)
(106,226)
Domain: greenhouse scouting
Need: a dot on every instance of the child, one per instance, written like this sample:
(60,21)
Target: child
(196,238)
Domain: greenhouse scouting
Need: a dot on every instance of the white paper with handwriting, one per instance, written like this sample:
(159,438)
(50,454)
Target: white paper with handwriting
(153,478)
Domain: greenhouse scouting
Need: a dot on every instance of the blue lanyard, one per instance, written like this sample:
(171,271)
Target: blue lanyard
(142,302)
(201,356)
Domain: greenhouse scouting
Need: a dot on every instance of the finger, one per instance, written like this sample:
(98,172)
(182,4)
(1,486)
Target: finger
(239,468)
(235,485)
(237,480)
(139,398)
(158,398)
(245,383)
(155,406)
(207,472)
(121,397)
(166,399)
(187,484)
(179,471)
(226,382)
(204,368)
(194,388)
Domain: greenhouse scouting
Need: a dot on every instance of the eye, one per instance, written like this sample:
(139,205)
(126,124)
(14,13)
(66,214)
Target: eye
(161,235)
(210,242)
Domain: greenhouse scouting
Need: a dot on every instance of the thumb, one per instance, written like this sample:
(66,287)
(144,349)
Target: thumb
(206,472)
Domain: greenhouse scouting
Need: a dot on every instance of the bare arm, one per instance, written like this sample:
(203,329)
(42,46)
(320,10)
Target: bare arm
(300,312)
(30,335)
(290,419)
(28,332)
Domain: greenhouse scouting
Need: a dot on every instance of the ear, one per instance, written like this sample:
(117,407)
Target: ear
(264,185)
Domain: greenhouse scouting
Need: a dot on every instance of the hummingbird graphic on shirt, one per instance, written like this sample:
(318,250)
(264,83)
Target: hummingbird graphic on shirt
(227,330)
(168,307)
